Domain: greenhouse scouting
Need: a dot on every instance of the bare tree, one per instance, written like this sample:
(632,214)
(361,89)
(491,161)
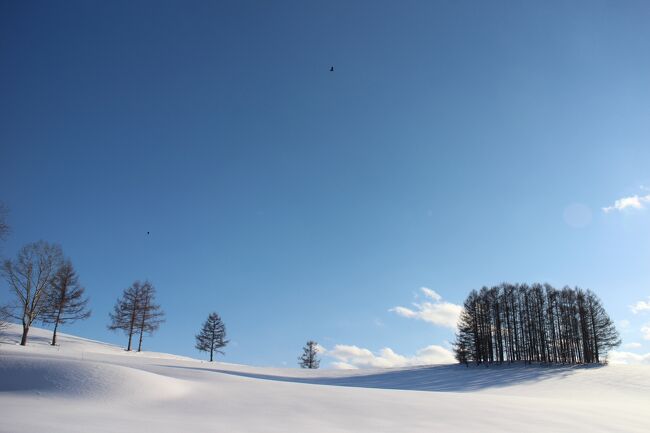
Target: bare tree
(212,336)
(309,357)
(604,334)
(30,276)
(65,301)
(150,315)
(125,312)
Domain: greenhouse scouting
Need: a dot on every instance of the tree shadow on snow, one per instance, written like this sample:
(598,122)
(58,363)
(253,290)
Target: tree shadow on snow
(438,378)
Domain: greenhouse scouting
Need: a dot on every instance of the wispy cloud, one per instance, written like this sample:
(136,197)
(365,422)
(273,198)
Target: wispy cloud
(433,310)
(353,357)
(640,306)
(431,294)
(632,202)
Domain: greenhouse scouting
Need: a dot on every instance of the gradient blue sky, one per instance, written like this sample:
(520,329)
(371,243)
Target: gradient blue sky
(456,144)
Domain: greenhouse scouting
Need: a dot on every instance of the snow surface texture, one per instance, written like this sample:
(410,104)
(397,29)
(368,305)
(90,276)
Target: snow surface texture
(86,386)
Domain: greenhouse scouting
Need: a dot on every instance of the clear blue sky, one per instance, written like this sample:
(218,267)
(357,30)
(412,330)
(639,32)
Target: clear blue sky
(456,144)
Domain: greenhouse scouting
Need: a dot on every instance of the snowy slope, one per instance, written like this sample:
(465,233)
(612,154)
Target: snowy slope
(88,386)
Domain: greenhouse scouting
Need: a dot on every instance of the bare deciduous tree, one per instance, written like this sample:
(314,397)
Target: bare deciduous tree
(309,357)
(125,312)
(65,302)
(137,312)
(150,316)
(30,276)
(212,336)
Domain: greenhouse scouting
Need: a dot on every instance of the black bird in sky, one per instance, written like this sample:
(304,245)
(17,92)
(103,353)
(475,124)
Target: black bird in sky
(331,68)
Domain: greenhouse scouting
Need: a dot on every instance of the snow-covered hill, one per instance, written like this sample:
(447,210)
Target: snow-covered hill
(87,386)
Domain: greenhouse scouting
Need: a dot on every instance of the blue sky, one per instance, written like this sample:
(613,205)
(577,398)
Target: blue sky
(456,144)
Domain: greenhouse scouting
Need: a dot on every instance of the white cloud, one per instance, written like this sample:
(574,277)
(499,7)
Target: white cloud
(616,357)
(349,357)
(632,202)
(633,345)
(640,306)
(438,312)
(645,331)
(343,366)
(431,294)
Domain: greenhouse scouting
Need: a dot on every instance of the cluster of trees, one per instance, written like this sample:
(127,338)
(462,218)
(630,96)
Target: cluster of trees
(136,312)
(536,323)
(45,288)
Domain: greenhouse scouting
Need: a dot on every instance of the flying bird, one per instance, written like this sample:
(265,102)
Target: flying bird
(331,68)
(147,232)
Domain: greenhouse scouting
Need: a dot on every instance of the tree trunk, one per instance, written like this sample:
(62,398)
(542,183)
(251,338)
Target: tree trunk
(23,340)
(131,328)
(56,325)
(212,343)
(593,328)
(145,308)
(54,334)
